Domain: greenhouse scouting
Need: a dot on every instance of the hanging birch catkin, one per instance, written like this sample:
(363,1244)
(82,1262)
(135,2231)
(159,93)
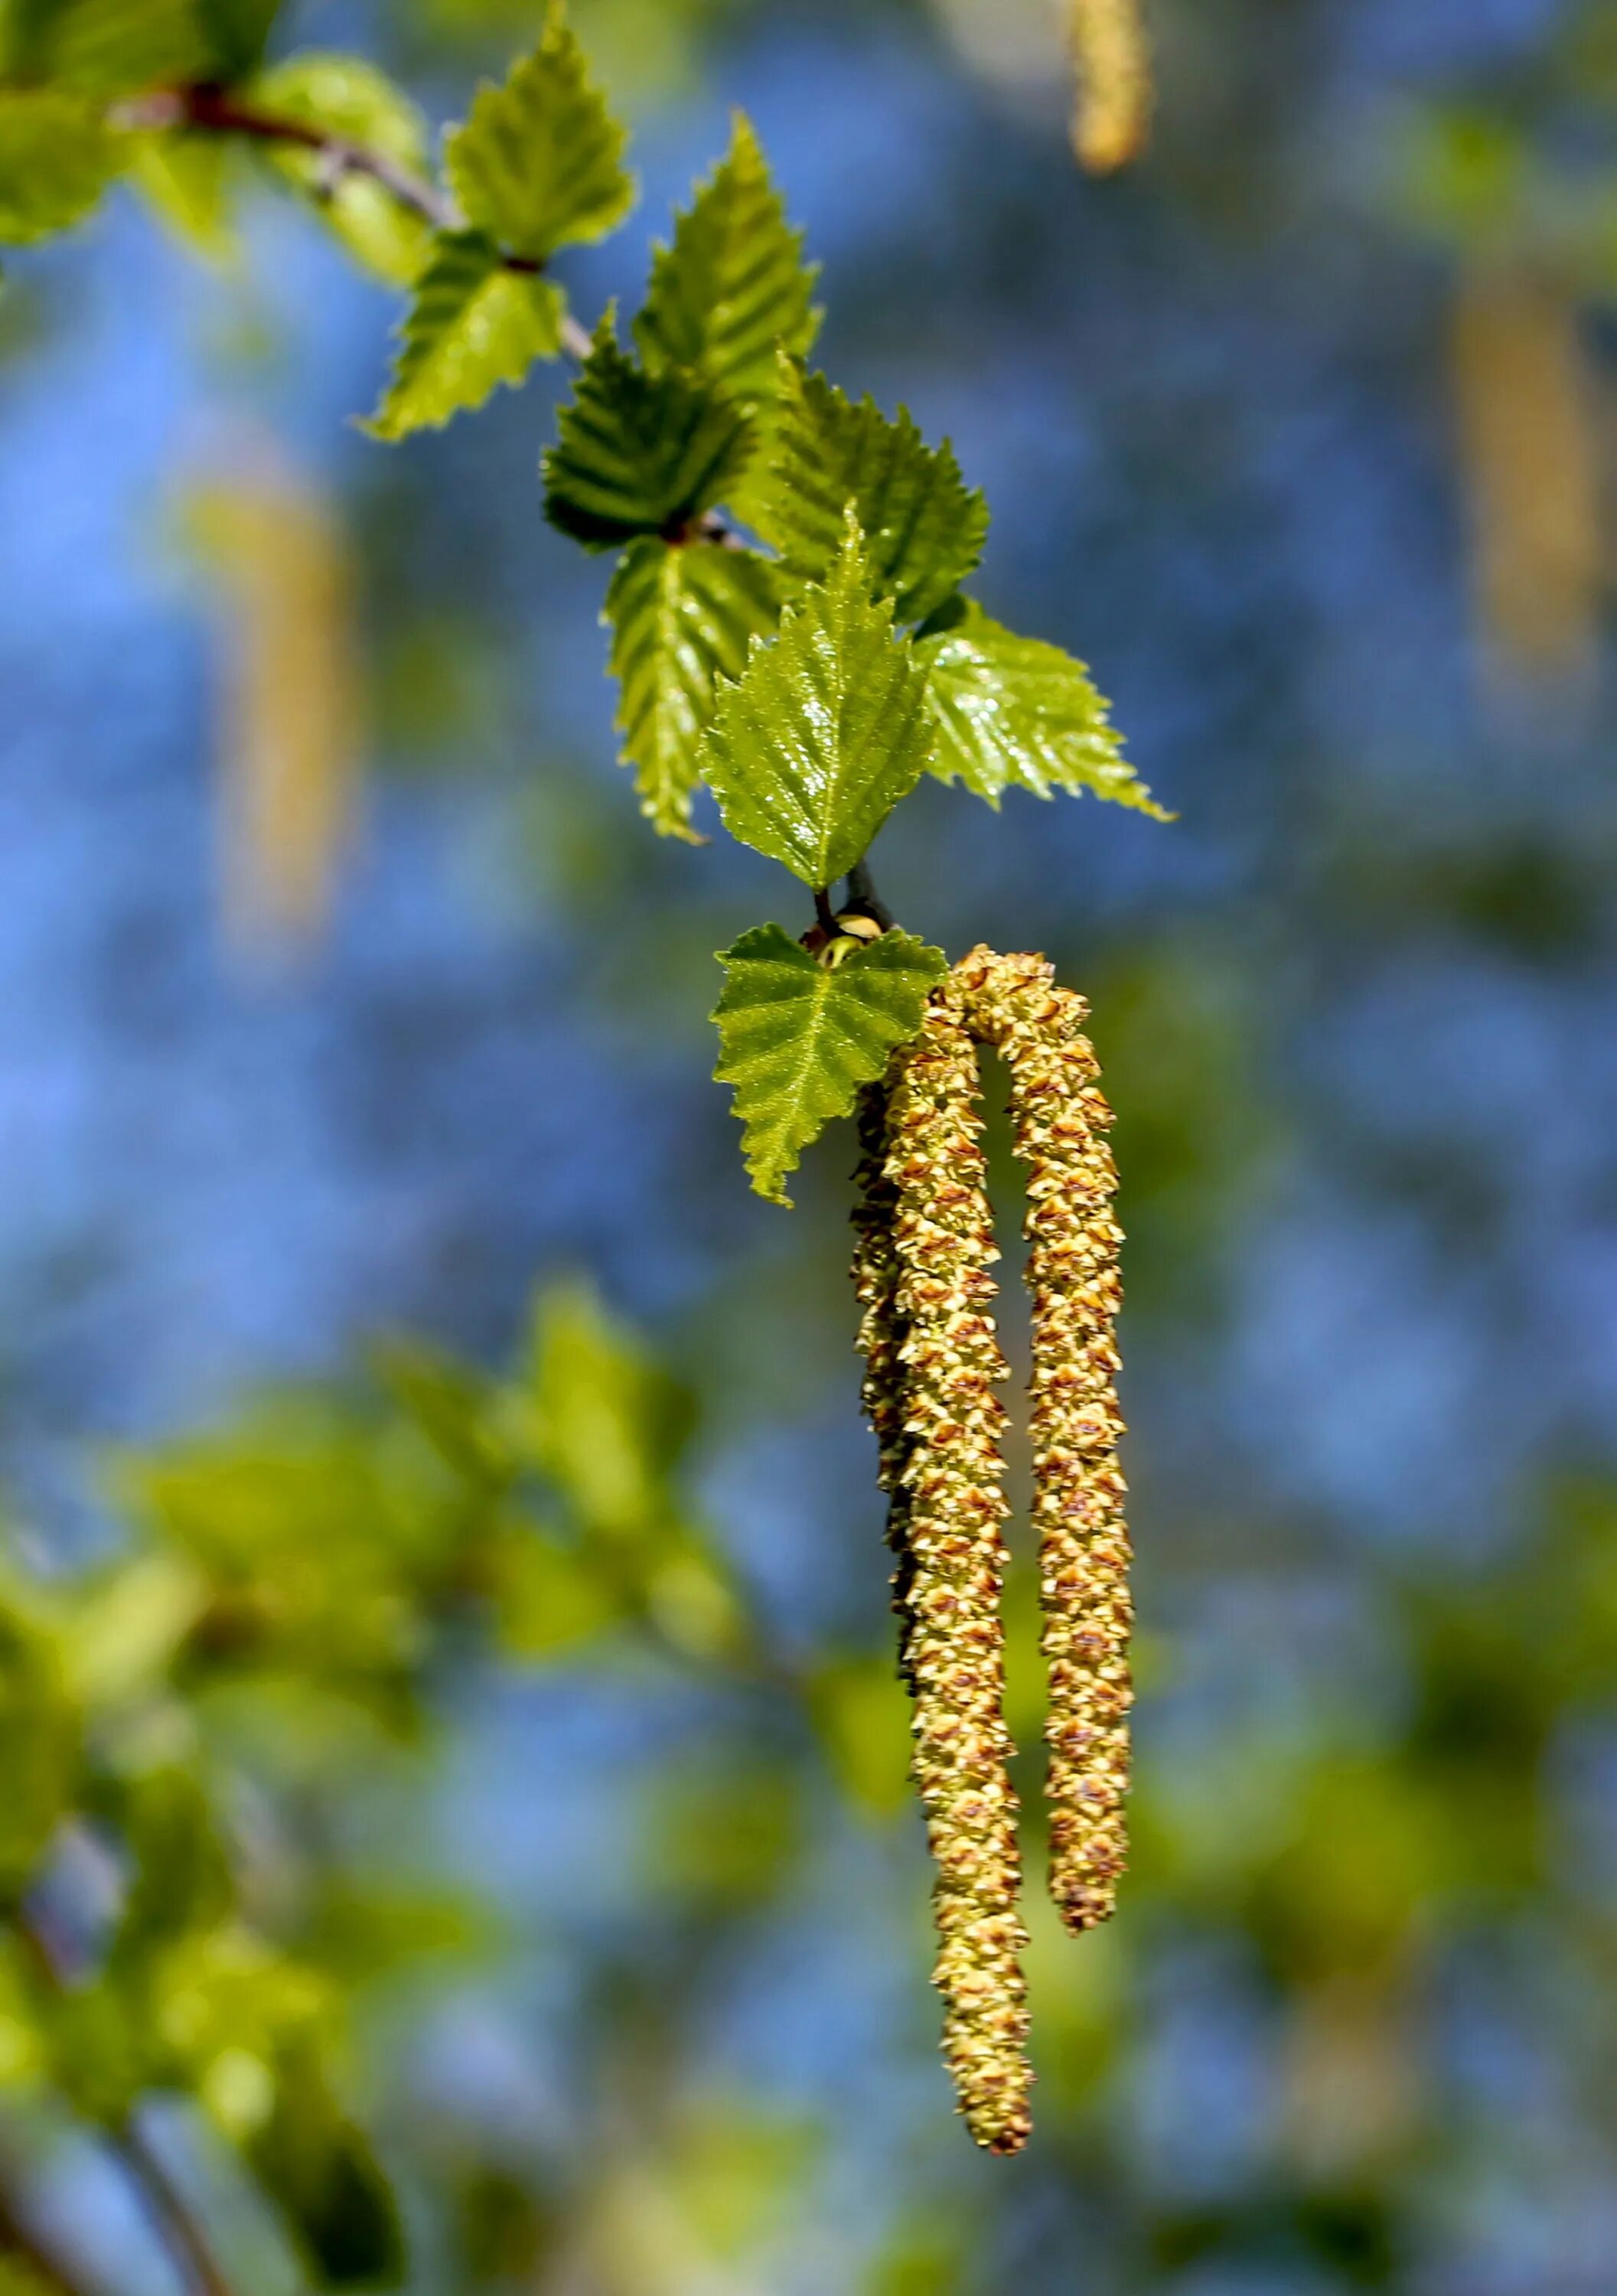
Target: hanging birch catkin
(1111,58)
(1061,1121)
(932,1361)
(944,1464)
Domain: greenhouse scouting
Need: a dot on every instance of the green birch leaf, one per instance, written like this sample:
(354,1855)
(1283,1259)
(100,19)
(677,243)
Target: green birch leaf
(39,1739)
(924,526)
(187,182)
(827,729)
(107,47)
(324,2174)
(798,1038)
(681,620)
(57,157)
(1015,713)
(539,161)
(346,97)
(638,453)
(473,325)
(734,285)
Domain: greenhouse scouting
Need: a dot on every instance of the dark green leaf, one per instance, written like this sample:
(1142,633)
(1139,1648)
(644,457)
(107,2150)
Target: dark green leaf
(1015,713)
(57,156)
(681,618)
(236,32)
(180,1877)
(638,454)
(539,162)
(323,2173)
(734,285)
(924,528)
(828,729)
(798,1038)
(106,47)
(473,325)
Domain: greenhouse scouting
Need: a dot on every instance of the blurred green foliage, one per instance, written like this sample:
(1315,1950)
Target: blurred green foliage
(306,1609)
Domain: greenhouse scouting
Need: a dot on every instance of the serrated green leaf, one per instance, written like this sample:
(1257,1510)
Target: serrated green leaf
(57,156)
(733,287)
(345,97)
(473,325)
(106,47)
(812,748)
(1016,713)
(637,453)
(538,164)
(797,1038)
(924,526)
(681,618)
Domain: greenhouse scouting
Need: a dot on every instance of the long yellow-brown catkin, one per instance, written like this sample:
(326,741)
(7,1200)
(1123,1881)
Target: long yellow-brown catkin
(1111,56)
(882,1334)
(1061,1120)
(949,1473)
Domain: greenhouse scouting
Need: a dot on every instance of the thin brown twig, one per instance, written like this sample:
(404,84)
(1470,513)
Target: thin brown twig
(166,2205)
(170,2212)
(207,109)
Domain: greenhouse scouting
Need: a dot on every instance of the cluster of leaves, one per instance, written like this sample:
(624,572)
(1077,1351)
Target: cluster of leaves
(297,1600)
(306,1599)
(808,677)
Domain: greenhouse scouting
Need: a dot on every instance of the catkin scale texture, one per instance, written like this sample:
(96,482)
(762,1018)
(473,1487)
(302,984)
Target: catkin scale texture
(933,1363)
(1061,1121)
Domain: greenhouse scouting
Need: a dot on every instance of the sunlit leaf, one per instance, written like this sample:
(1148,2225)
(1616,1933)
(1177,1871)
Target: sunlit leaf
(734,286)
(602,1419)
(472,326)
(638,454)
(798,1038)
(187,181)
(539,161)
(1015,713)
(348,99)
(924,528)
(827,729)
(39,1739)
(57,157)
(681,620)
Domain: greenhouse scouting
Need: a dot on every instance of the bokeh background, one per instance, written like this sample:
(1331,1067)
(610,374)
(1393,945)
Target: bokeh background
(1301,431)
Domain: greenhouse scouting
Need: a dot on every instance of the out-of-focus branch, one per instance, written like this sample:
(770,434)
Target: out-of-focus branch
(204,109)
(169,2212)
(18,2238)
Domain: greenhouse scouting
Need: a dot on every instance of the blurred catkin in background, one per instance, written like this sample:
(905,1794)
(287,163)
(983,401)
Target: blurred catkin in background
(290,708)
